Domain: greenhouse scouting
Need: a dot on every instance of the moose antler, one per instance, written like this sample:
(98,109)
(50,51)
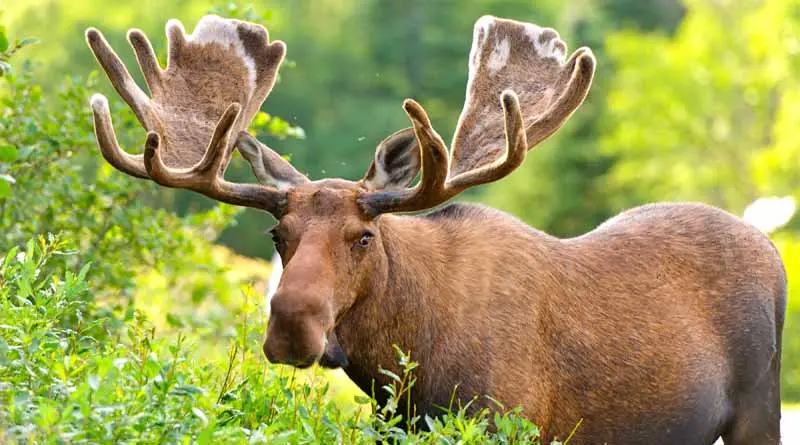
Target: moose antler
(215,82)
(516,70)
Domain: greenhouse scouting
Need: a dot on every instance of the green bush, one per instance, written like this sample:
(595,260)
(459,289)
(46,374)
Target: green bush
(71,372)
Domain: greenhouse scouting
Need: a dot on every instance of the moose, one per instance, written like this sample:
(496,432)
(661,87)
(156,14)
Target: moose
(662,325)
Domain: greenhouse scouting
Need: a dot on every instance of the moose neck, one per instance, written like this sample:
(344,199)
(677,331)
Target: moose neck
(446,282)
(399,307)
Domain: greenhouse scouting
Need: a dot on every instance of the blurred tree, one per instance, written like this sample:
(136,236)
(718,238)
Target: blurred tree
(706,115)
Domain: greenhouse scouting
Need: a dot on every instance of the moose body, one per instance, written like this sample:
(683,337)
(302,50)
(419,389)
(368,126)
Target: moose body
(660,326)
(663,325)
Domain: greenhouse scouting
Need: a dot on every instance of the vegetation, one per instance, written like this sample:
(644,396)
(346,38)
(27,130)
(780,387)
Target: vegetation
(74,372)
(133,314)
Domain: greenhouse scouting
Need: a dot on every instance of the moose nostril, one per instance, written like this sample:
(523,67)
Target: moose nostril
(268,353)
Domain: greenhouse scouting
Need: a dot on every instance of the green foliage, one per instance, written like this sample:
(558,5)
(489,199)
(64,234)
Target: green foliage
(7,49)
(72,372)
(705,115)
(789,247)
(63,186)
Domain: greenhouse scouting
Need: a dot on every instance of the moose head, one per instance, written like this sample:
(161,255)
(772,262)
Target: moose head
(521,89)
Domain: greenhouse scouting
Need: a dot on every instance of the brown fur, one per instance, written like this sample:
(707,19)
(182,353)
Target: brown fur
(661,326)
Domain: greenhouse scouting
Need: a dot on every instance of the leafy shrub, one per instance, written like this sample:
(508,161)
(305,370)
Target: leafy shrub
(72,372)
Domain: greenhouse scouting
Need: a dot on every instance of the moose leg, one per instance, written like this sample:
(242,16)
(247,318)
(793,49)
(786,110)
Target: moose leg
(758,414)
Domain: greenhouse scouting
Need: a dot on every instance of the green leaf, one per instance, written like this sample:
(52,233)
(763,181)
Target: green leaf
(3,39)
(200,415)
(8,153)
(362,400)
(205,436)
(27,41)
(3,350)
(48,414)
(9,257)
(174,320)
(5,188)
(390,374)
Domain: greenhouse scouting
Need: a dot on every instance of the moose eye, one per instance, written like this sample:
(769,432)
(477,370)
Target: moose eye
(365,239)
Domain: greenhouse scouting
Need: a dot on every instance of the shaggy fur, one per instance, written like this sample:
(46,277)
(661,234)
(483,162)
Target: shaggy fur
(663,325)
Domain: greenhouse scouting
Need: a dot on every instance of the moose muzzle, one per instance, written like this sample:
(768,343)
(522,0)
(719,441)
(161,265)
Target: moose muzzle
(296,334)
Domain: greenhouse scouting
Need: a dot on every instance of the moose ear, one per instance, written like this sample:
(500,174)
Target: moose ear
(396,163)
(269,167)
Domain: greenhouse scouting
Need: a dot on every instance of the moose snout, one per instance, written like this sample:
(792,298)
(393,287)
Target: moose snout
(296,332)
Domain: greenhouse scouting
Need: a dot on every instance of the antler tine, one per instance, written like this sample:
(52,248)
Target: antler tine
(129,91)
(119,76)
(577,75)
(146,58)
(206,176)
(514,154)
(523,65)
(107,140)
(431,187)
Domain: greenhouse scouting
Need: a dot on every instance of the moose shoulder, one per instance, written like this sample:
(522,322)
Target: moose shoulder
(663,325)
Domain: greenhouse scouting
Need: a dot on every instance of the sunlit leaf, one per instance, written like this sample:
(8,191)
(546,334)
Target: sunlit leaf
(27,41)
(8,153)
(3,39)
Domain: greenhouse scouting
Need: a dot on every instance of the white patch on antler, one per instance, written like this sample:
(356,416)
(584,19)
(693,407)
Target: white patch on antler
(214,29)
(499,56)
(545,50)
(480,33)
(99,103)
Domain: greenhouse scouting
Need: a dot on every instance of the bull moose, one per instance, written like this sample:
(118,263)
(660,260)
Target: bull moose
(662,325)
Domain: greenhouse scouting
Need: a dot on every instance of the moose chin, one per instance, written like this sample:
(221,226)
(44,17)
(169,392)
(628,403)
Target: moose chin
(662,325)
